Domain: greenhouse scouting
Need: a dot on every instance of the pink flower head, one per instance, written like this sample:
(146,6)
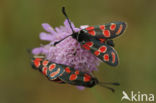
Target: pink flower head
(69,51)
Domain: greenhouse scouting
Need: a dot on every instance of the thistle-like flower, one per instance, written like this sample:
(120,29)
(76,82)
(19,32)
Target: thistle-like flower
(67,52)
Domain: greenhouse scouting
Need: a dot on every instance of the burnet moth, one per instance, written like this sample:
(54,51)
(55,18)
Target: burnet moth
(98,39)
(66,75)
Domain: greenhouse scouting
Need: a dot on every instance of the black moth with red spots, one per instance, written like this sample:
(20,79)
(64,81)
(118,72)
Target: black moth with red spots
(64,74)
(98,40)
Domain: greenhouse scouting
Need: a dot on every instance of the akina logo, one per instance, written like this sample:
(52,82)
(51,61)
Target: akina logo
(137,96)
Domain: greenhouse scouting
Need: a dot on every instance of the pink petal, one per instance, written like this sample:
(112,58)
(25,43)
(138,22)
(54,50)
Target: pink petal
(48,28)
(46,36)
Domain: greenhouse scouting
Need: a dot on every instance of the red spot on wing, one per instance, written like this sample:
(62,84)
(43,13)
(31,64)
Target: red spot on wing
(44,70)
(45,62)
(87,45)
(51,67)
(77,72)
(106,57)
(86,78)
(113,57)
(102,27)
(97,53)
(67,69)
(37,62)
(90,28)
(103,49)
(92,32)
(53,74)
(73,77)
(119,30)
(102,40)
(113,26)
(106,33)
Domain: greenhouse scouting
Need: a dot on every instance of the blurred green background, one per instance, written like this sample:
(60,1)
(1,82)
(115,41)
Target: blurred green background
(20,25)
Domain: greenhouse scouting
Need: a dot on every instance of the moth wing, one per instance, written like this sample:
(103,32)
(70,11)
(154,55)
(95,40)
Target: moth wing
(69,76)
(103,51)
(55,70)
(75,77)
(106,31)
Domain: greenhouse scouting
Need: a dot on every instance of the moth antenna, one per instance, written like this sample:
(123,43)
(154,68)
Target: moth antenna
(64,13)
(61,40)
(29,52)
(110,88)
(104,84)
(111,83)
